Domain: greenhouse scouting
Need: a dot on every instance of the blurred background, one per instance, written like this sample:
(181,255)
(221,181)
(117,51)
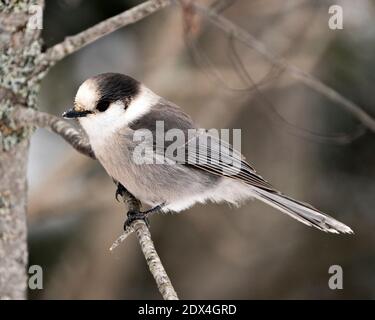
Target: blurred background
(306,145)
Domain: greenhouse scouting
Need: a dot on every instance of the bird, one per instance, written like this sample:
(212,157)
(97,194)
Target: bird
(120,115)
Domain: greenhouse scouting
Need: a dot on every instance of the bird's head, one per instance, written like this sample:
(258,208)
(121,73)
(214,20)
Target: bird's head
(109,101)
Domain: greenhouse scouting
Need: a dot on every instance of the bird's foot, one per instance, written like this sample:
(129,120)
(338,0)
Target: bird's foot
(141,215)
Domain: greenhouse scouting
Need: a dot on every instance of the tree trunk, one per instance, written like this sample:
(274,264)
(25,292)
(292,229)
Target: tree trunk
(20,46)
(13,236)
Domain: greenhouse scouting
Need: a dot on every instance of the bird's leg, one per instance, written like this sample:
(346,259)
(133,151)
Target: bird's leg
(142,215)
(134,204)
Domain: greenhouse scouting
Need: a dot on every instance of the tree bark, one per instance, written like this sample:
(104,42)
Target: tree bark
(20,47)
(13,236)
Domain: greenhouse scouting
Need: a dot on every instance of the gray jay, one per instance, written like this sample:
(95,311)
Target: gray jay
(112,108)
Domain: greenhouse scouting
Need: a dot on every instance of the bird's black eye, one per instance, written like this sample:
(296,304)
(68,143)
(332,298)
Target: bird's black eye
(102,106)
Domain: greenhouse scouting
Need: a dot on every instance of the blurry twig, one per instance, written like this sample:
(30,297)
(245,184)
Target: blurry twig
(221,5)
(338,138)
(190,28)
(242,35)
(74,43)
(74,137)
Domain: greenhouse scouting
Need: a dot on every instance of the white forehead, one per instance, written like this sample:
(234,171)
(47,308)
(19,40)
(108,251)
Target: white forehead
(87,95)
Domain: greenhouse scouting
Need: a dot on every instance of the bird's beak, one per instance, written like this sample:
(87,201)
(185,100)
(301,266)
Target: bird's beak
(72,113)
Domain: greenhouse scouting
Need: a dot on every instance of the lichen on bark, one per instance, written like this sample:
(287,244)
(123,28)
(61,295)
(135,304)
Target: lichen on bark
(16,68)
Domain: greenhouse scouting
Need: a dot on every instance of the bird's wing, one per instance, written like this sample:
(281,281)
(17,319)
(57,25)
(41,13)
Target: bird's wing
(207,152)
(198,149)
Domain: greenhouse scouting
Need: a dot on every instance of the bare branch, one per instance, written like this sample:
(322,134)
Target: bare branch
(57,125)
(78,41)
(242,35)
(154,263)
(152,258)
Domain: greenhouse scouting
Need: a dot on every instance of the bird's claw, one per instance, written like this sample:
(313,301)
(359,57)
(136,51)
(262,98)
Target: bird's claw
(119,191)
(139,215)
(117,194)
(136,215)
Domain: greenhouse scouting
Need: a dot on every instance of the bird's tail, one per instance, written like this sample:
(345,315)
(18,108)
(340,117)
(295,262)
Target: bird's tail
(303,212)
